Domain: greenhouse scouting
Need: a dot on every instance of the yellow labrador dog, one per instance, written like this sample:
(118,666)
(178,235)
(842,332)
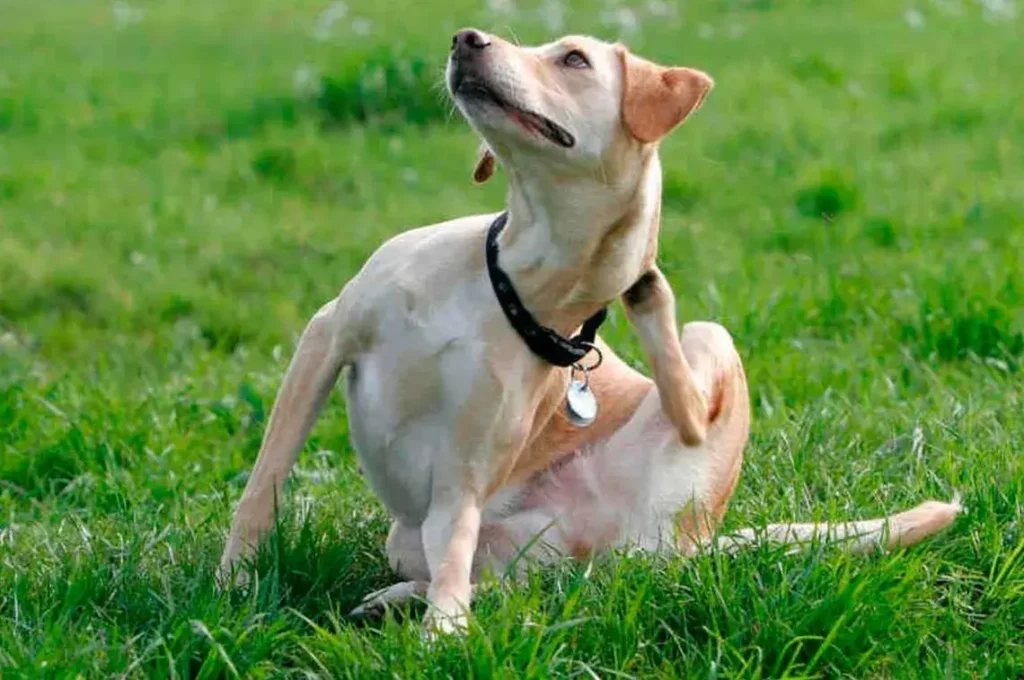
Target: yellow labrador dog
(488,433)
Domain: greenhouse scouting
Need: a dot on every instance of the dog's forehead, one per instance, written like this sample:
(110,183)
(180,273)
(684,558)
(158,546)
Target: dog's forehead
(584,43)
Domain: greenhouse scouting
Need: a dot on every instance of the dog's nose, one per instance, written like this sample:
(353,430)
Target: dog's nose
(469,40)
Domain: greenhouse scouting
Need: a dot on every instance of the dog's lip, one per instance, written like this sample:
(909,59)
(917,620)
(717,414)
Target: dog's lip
(472,88)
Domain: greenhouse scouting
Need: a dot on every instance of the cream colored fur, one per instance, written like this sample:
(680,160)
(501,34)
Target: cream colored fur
(459,428)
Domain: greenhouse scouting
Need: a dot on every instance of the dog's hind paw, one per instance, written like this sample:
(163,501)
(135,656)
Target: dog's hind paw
(376,603)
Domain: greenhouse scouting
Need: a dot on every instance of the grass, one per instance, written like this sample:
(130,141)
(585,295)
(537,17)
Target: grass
(183,183)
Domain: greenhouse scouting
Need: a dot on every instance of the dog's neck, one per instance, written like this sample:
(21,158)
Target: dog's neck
(571,248)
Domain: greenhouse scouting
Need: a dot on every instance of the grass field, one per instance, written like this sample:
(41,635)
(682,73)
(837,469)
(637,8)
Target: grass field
(182,183)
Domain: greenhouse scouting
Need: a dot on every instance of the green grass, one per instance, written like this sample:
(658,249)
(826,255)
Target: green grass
(183,183)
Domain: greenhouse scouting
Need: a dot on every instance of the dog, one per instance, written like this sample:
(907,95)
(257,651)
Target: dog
(464,421)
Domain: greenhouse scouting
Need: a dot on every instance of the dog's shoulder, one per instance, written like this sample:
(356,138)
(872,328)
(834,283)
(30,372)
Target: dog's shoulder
(443,249)
(420,265)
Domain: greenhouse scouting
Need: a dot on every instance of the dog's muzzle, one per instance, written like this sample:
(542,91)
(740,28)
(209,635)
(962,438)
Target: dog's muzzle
(468,46)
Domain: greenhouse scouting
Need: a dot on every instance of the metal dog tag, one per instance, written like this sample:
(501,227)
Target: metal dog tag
(580,403)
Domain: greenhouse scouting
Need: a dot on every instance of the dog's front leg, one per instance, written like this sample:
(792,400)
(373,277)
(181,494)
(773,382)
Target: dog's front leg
(313,371)
(450,534)
(651,309)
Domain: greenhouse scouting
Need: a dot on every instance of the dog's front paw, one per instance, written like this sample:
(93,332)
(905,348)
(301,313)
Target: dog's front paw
(438,622)
(376,603)
(447,613)
(235,563)
(232,573)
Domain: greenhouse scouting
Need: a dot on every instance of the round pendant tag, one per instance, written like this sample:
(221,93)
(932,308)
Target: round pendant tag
(580,403)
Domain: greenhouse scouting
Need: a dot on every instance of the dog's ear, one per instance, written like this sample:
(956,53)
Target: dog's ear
(656,99)
(484,165)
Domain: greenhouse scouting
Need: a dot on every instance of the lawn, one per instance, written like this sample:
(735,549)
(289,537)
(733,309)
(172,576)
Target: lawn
(183,183)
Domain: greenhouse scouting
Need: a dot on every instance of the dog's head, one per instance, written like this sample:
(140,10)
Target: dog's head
(575,103)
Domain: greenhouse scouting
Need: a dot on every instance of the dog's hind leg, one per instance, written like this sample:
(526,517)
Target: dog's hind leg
(314,370)
(651,309)
(406,556)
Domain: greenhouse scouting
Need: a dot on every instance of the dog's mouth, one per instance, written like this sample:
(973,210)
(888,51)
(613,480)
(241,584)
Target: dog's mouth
(472,89)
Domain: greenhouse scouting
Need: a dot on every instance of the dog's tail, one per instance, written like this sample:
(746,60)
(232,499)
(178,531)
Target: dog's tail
(865,536)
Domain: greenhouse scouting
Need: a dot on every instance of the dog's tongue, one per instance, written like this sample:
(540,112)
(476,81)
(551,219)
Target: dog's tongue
(542,127)
(529,122)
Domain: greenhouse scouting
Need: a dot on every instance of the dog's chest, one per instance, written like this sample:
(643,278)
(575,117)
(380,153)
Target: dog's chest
(427,398)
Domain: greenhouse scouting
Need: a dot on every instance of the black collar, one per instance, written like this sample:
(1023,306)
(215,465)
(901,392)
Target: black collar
(542,341)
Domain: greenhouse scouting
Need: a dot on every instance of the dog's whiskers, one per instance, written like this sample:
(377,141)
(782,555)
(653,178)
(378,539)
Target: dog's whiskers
(440,87)
(515,38)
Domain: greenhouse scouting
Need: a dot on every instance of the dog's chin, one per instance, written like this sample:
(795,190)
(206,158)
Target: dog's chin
(485,108)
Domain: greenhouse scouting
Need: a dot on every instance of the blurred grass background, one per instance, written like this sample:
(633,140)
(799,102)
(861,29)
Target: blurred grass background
(183,183)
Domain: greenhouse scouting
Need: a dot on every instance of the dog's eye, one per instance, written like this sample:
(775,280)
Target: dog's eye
(575,59)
